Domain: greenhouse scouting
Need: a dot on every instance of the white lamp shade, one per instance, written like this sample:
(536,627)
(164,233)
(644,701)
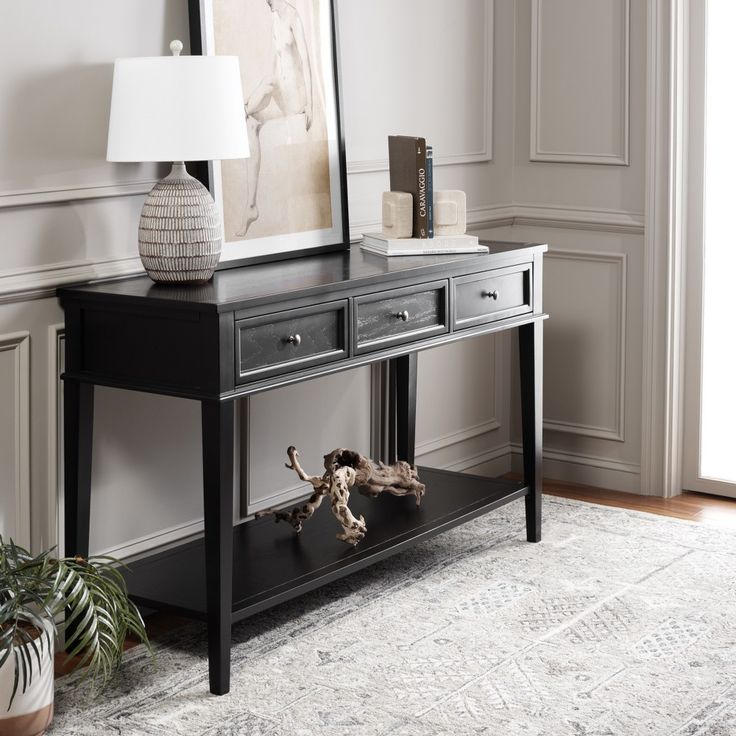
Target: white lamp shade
(177,108)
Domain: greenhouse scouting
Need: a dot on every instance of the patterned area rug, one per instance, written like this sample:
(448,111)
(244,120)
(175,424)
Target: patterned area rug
(617,623)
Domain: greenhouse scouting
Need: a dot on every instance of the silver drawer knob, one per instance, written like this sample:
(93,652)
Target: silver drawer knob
(403,316)
(295,340)
(491,294)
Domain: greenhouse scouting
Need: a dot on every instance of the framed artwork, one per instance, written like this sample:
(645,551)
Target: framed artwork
(290,197)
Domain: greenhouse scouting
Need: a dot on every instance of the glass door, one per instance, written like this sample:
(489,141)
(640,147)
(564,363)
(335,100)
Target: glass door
(709,437)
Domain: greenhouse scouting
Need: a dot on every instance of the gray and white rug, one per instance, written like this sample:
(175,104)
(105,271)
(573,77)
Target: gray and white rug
(617,623)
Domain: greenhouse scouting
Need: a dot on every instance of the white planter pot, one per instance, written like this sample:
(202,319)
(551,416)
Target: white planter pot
(32,710)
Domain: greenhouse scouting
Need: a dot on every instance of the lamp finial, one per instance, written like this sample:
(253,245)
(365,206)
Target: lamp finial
(176,46)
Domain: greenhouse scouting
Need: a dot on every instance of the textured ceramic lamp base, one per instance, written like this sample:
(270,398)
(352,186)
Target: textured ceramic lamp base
(179,236)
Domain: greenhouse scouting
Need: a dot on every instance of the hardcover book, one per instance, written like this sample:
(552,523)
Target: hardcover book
(441,245)
(407,158)
(430,191)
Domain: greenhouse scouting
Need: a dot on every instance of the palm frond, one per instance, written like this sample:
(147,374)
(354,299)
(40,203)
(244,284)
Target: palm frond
(36,589)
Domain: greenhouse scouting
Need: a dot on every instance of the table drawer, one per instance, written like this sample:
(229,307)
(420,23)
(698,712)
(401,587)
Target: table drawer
(492,295)
(400,316)
(298,338)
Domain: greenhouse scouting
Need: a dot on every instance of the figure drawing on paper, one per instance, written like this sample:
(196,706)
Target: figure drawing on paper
(286,186)
(289,90)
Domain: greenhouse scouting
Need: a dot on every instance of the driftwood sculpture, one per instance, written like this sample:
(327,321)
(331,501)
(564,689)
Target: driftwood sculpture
(345,469)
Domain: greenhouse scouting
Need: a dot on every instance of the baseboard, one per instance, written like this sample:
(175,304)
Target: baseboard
(455,438)
(493,462)
(589,470)
(156,542)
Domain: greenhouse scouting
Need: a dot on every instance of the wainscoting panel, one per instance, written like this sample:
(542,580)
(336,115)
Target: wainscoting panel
(15,490)
(580,81)
(146,470)
(444,67)
(585,355)
(461,405)
(592,389)
(315,417)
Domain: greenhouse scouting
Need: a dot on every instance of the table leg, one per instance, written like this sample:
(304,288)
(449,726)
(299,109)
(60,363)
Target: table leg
(406,406)
(530,366)
(78,424)
(217,464)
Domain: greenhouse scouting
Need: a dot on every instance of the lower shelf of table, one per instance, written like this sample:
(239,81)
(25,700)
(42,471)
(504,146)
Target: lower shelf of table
(271,563)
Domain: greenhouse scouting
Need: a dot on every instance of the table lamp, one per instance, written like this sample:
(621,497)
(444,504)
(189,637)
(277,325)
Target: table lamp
(178,108)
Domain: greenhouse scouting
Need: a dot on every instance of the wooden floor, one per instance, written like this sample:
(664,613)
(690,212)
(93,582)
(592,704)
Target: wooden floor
(691,506)
(688,505)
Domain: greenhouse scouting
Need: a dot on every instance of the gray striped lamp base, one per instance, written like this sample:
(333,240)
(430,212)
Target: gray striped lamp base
(179,236)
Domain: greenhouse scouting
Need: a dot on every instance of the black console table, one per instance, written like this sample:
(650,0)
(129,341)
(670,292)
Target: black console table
(260,327)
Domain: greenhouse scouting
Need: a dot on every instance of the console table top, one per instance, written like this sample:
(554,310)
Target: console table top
(233,288)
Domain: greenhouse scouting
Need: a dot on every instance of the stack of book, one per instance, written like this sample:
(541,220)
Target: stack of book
(441,245)
(410,169)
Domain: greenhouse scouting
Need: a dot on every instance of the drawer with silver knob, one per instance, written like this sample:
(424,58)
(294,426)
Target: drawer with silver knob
(492,295)
(294,339)
(400,315)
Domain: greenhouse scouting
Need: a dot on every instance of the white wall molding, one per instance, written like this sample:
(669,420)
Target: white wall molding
(616,431)
(458,158)
(284,497)
(536,152)
(372,166)
(41,282)
(579,218)
(469,462)
(485,216)
(54,450)
(41,195)
(583,430)
(664,247)
(496,368)
(590,461)
(172,536)
(590,470)
(538,215)
(154,542)
(18,344)
(455,438)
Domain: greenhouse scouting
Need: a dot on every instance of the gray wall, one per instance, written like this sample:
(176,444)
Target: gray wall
(579,184)
(547,144)
(66,215)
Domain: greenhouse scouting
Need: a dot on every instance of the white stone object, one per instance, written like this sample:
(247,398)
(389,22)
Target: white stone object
(178,108)
(398,214)
(450,212)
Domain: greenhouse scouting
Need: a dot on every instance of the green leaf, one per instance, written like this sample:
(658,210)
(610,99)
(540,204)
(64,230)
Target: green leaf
(35,589)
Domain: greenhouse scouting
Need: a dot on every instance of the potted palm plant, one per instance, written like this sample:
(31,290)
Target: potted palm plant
(42,597)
